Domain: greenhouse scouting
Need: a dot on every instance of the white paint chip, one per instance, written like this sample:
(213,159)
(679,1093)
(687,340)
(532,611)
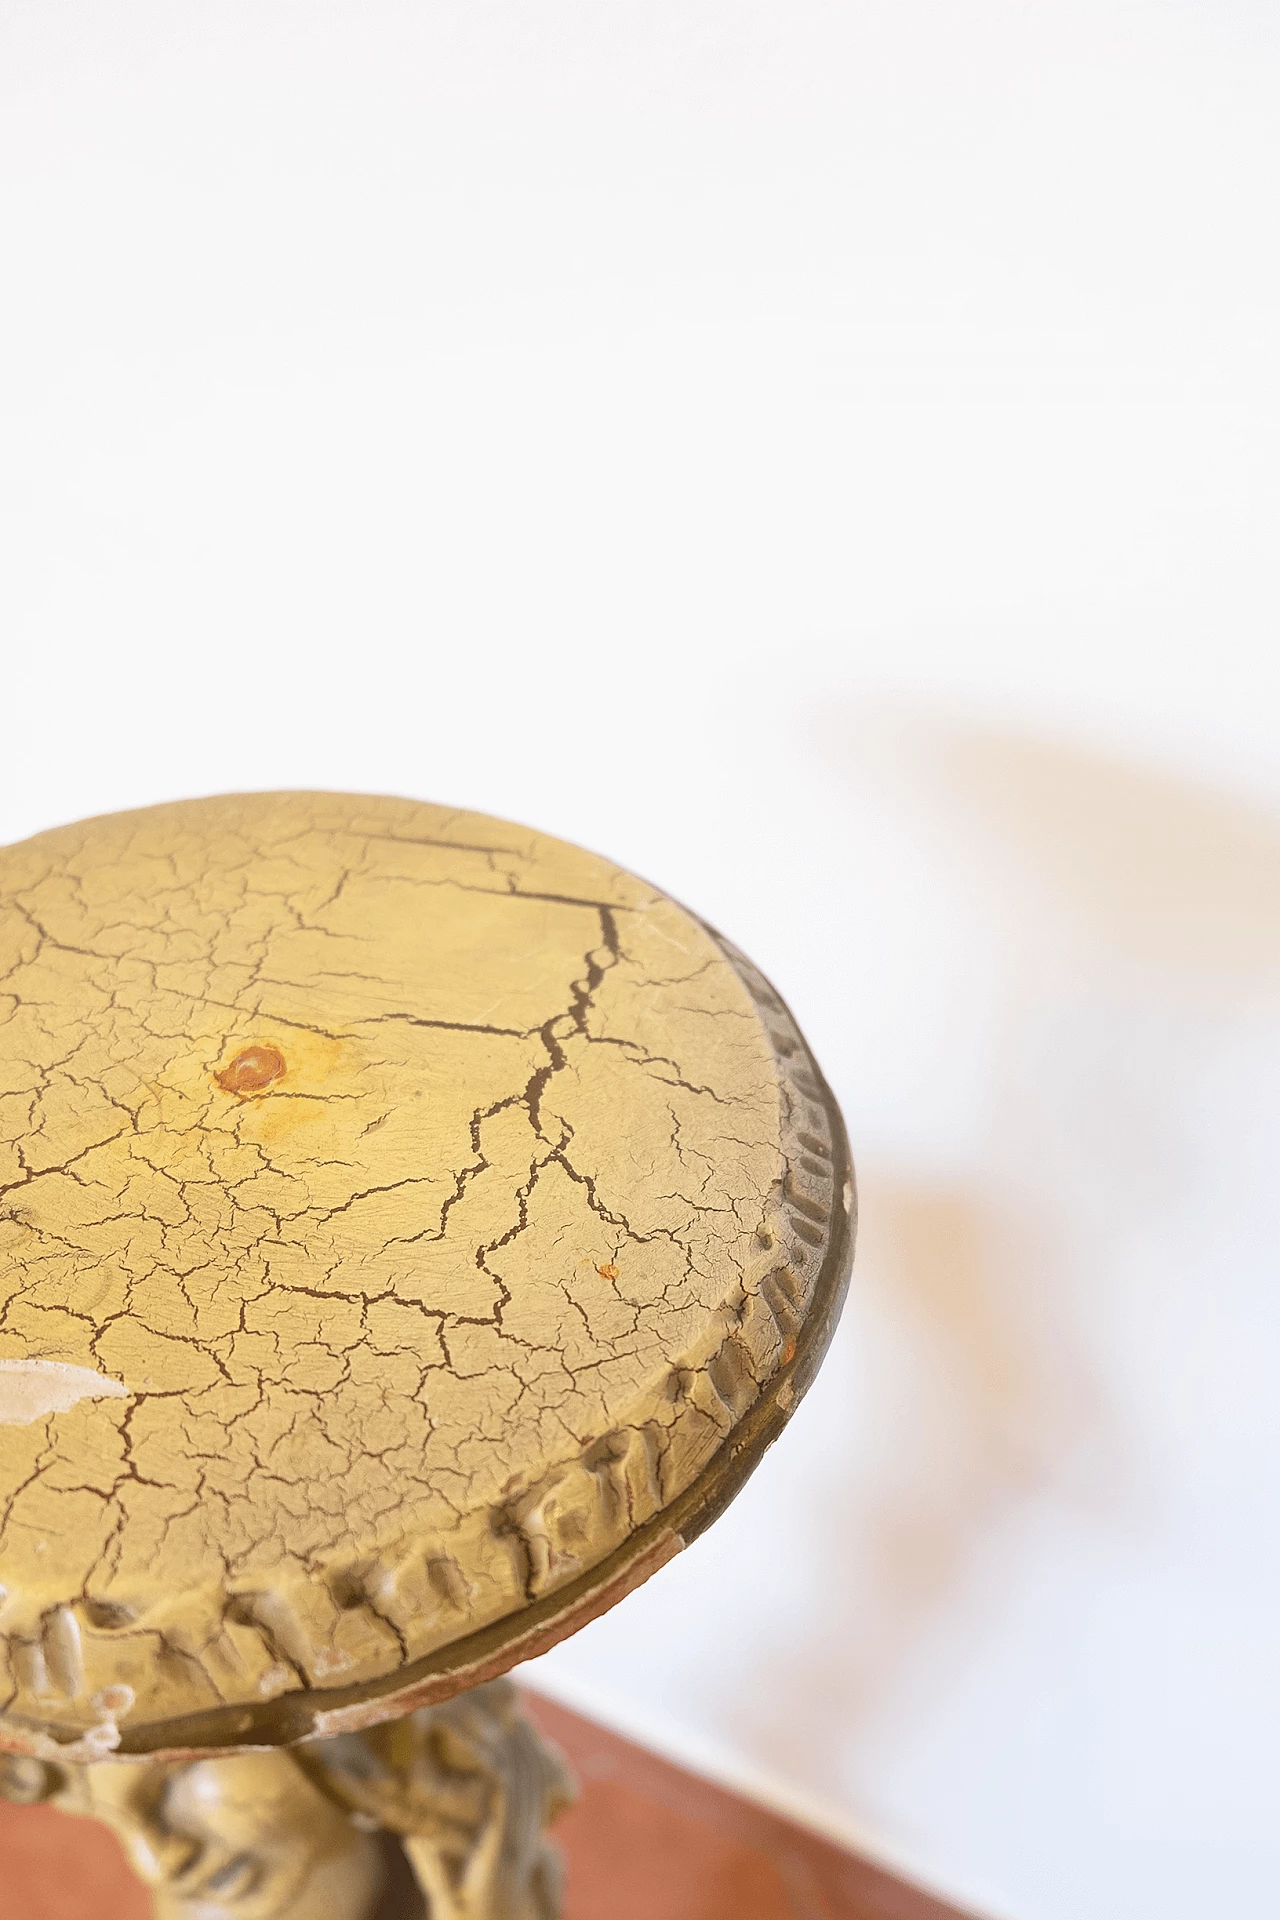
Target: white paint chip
(31,1388)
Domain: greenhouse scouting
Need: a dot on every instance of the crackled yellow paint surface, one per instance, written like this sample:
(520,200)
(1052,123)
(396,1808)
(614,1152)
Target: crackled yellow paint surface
(417,1181)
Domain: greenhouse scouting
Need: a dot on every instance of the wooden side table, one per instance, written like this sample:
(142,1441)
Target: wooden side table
(413,1230)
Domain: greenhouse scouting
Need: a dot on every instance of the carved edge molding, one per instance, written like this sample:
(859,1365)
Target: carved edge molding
(807,1249)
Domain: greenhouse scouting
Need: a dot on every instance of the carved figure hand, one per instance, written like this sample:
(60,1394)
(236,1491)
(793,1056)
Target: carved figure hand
(469,1786)
(248,1837)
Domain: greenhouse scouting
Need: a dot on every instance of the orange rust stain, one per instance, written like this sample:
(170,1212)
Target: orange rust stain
(789,1352)
(607,1273)
(252,1069)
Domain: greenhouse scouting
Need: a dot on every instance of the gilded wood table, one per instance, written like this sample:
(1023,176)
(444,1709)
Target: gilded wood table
(413,1230)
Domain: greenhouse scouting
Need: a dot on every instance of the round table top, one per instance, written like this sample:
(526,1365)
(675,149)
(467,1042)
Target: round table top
(412,1230)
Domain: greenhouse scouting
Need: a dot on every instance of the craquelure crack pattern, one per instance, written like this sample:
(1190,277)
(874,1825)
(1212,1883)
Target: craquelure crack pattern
(439,1196)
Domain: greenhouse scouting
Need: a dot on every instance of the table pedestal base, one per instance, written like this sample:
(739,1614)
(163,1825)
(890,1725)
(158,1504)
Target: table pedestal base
(291,1833)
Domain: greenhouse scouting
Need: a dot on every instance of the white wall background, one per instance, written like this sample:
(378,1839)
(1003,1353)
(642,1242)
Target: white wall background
(824,455)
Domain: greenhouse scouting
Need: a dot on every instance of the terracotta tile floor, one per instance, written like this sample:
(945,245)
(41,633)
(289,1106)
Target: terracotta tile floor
(646,1841)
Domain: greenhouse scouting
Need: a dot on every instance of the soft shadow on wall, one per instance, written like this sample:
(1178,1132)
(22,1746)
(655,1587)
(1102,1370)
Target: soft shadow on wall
(1020,1321)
